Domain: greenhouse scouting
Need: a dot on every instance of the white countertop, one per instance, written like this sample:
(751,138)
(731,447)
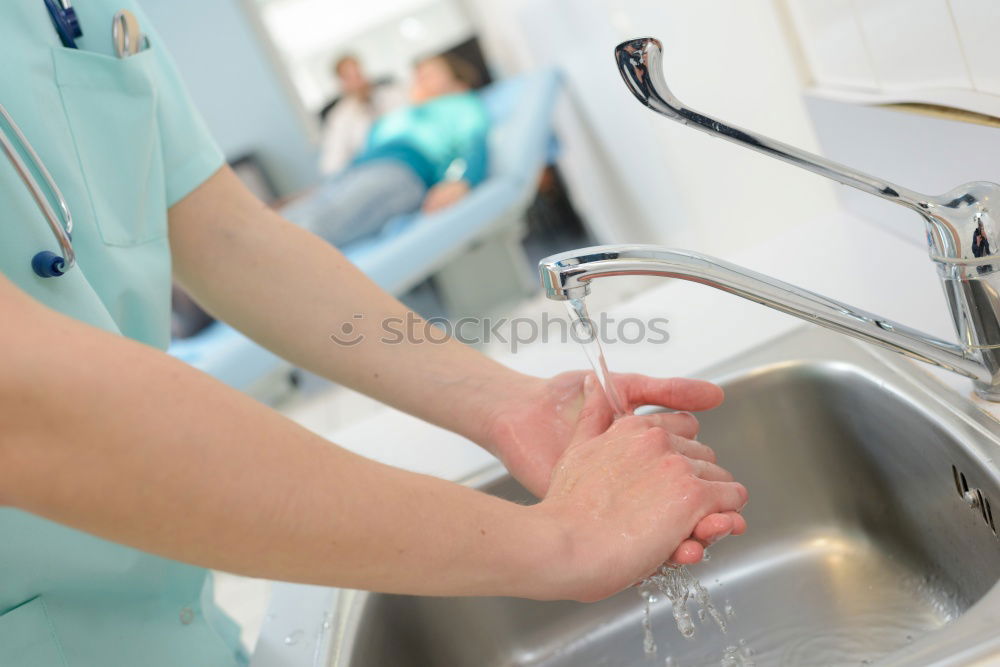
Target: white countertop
(837,255)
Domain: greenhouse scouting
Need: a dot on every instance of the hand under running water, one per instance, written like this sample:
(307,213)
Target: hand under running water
(626,494)
(531,431)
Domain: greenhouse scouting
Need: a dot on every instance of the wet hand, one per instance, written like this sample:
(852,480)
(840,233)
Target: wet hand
(629,494)
(532,429)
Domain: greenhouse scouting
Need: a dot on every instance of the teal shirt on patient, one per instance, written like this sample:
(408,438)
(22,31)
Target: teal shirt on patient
(430,137)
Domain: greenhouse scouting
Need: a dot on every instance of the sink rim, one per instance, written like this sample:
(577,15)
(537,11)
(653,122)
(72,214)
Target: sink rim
(967,640)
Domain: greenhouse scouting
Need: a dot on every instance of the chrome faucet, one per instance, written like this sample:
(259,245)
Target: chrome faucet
(962,232)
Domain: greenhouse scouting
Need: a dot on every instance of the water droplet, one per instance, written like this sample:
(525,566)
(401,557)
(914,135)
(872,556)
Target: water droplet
(648,642)
(294,638)
(186,615)
(678,585)
(685,625)
(731,658)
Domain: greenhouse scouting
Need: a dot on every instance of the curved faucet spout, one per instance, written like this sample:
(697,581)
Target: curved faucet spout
(963,232)
(568,275)
(640,63)
(957,222)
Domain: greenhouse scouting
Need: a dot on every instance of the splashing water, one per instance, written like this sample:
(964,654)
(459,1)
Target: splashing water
(736,657)
(675,582)
(678,585)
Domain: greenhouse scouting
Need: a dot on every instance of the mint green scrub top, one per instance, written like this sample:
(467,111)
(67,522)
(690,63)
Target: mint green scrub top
(123,142)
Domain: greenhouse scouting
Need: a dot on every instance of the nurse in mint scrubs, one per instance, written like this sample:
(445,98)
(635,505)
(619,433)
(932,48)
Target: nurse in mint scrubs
(124,473)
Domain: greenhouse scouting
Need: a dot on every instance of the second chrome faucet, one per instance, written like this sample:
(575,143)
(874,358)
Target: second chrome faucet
(962,230)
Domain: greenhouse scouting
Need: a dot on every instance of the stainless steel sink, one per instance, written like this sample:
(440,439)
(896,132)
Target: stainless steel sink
(874,504)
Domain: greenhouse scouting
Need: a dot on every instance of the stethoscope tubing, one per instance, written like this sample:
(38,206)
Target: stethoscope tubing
(128,41)
(46,264)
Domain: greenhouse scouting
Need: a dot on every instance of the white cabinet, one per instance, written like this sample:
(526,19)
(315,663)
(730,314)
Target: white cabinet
(834,48)
(939,52)
(913,44)
(978,23)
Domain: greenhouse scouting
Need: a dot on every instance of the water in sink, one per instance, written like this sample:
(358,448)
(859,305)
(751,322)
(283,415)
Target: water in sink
(871,602)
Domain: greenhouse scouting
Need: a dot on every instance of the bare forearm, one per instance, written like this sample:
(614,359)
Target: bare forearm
(291,291)
(116,439)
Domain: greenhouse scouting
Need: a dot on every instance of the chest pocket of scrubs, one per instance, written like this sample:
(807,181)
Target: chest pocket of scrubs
(110,105)
(27,638)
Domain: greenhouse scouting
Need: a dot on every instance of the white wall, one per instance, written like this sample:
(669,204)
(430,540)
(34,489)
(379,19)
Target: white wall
(638,177)
(235,86)
(388,34)
(929,155)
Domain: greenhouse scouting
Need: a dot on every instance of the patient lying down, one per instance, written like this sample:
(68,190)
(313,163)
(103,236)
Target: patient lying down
(425,156)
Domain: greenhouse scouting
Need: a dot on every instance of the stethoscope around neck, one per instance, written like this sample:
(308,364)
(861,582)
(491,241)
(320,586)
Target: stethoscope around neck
(128,40)
(46,264)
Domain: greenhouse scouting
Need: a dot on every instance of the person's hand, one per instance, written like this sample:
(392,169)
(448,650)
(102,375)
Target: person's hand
(534,424)
(626,498)
(444,195)
(532,429)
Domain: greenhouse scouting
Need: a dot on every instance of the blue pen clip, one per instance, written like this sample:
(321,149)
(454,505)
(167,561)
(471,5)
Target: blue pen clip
(65,21)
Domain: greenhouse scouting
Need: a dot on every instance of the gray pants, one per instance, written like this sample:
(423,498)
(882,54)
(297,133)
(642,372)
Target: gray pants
(359,201)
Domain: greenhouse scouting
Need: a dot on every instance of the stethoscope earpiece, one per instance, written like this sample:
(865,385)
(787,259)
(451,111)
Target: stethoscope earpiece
(47,264)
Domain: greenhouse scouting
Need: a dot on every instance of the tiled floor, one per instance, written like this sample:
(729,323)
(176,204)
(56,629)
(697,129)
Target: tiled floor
(245,600)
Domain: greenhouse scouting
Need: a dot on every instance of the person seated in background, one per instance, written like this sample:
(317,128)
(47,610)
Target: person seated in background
(424,156)
(362,102)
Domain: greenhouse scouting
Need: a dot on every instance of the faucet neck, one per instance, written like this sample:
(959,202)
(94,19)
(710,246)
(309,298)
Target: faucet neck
(569,275)
(952,219)
(963,235)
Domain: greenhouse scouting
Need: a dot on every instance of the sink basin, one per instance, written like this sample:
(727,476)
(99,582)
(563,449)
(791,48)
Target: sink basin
(873,516)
